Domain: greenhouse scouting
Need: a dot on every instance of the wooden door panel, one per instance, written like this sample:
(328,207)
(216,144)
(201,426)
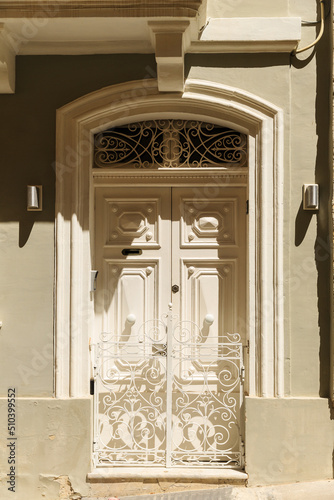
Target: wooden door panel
(130,293)
(169,384)
(209,231)
(133,291)
(208,249)
(132,255)
(208,223)
(132,221)
(210,288)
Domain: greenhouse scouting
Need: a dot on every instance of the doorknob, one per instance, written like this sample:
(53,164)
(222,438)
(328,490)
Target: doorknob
(209,319)
(175,288)
(131,319)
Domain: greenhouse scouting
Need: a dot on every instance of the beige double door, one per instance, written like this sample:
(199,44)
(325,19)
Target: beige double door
(169,304)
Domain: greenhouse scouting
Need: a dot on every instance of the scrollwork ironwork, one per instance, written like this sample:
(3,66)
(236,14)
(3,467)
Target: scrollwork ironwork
(170,143)
(131,404)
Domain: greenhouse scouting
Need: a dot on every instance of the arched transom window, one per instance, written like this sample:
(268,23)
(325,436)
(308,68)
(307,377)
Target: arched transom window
(170,143)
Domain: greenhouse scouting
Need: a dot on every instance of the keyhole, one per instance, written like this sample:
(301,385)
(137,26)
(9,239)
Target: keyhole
(175,288)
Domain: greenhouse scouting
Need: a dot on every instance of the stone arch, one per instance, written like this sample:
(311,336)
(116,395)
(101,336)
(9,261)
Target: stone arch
(77,122)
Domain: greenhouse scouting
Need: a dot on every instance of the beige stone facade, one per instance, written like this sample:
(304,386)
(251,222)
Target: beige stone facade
(69,70)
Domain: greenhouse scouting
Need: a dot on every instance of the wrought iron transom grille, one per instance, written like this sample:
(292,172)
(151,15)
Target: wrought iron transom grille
(170,143)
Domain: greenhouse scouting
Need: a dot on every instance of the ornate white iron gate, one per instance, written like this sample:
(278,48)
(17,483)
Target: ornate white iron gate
(168,396)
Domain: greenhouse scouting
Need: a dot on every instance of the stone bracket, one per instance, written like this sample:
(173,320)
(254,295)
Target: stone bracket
(171,40)
(7,64)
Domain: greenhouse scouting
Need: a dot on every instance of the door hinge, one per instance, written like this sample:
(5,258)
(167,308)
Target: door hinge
(242,374)
(92,387)
(242,453)
(247,207)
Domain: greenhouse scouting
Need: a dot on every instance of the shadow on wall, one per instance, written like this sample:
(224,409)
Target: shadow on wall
(302,223)
(235,61)
(28,123)
(28,218)
(323,177)
(25,228)
(14,200)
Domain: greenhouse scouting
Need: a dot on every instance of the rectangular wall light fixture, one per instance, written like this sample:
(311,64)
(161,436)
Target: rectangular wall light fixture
(311,196)
(34,198)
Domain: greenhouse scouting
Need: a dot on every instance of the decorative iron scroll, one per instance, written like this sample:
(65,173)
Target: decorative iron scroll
(137,424)
(206,399)
(170,144)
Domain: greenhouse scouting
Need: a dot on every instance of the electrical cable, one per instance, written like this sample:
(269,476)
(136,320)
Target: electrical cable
(314,23)
(321,32)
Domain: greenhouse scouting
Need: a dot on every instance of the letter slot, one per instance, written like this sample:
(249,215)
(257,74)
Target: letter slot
(131,251)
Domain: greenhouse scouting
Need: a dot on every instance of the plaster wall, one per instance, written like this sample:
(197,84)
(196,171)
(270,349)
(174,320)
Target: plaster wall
(288,439)
(27,144)
(27,147)
(293,87)
(245,8)
(52,451)
(27,256)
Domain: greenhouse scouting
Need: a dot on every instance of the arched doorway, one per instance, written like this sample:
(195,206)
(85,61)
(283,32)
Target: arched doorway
(135,102)
(170,304)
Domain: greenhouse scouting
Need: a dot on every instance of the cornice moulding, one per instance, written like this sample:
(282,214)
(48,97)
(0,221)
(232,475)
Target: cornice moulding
(249,34)
(86,48)
(170,39)
(99,8)
(242,47)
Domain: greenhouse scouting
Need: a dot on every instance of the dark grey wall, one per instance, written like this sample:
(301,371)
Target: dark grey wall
(28,118)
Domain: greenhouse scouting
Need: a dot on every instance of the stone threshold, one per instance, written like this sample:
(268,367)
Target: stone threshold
(121,473)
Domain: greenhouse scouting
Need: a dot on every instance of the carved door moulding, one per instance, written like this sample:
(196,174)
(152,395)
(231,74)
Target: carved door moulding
(206,101)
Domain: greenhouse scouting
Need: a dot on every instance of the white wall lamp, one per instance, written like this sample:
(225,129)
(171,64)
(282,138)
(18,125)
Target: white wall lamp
(34,198)
(93,278)
(311,196)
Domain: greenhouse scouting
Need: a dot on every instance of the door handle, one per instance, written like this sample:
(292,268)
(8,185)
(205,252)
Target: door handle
(175,288)
(131,319)
(209,319)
